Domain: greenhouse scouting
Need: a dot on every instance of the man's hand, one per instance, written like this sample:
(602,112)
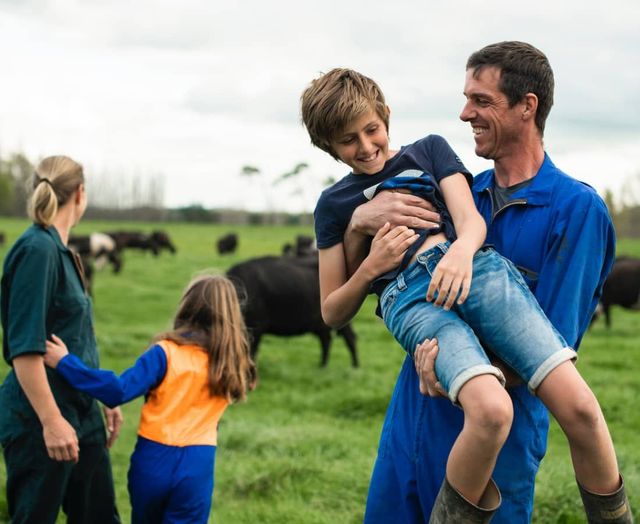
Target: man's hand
(114,421)
(425,362)
(399,209)
(60,439)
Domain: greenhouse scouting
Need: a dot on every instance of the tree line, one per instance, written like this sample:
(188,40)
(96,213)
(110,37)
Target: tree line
(142,198)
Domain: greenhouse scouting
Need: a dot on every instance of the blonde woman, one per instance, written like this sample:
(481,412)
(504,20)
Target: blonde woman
(53,437)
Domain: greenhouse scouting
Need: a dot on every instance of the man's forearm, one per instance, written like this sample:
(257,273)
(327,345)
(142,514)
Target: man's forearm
(356,246)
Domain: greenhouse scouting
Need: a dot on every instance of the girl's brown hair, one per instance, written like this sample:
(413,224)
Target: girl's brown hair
(209,315)
(55,180)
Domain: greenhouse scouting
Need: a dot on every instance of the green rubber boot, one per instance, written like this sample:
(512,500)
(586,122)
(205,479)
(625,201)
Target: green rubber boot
(452,508)
(612,508)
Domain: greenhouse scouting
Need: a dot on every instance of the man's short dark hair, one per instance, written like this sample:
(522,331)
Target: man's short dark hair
(524,69)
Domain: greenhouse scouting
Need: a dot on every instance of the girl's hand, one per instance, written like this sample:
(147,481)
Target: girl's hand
(452,277)
(56,349)
(388,247)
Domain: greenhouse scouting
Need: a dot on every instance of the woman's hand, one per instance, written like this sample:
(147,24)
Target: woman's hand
(56,350)
(60,439)
(114,419)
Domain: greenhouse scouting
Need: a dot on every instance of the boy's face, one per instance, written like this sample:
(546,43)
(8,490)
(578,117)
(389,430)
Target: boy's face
(364,144)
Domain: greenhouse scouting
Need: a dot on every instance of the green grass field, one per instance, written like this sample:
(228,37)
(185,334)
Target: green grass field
(301,449)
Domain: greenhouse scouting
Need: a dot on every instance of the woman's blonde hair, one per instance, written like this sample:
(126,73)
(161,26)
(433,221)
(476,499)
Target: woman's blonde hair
(55,180)
(209,315)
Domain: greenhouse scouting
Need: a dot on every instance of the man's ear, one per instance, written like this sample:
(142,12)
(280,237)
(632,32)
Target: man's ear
(530,106)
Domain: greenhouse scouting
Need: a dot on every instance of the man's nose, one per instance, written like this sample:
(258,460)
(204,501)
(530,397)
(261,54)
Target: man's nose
(467,112)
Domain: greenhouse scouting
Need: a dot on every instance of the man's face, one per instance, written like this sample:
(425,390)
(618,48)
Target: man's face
(364,144)
(497,128)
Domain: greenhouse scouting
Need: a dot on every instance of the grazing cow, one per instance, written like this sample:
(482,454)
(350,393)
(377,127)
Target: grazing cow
(227,243)
(304,246)
(161,238)
(135,240)
(622,287)
(283,298)
(98,246)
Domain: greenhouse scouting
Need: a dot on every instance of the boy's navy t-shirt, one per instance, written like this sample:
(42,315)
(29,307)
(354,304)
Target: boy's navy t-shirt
(431,156)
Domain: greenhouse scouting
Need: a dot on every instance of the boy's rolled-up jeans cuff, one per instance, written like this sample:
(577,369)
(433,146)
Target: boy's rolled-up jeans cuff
(554,360)
(468,374)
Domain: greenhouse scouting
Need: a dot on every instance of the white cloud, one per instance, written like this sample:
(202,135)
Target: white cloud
(195,90)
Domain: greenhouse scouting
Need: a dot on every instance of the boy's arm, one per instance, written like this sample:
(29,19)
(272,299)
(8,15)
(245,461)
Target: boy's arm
(399,209)
(340,295)
(452,276)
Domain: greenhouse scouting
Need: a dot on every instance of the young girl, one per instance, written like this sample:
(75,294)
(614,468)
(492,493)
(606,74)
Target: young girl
(188,377)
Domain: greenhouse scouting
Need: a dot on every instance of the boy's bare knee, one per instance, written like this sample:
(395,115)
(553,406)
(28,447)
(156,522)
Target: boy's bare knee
(490,412)
(583,412)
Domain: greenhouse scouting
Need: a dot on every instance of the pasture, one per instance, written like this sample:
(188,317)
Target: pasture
(301,449)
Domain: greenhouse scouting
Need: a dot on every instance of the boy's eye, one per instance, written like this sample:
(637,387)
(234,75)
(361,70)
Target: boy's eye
(346,141)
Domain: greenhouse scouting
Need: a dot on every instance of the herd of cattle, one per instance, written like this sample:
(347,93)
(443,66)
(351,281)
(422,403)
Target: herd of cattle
(281,294)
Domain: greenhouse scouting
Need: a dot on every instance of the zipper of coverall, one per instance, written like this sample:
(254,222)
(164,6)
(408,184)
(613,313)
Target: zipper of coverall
(517,202)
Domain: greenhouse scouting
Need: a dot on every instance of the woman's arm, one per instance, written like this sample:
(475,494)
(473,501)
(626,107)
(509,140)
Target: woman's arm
(452,277)
(59,436)
(109,388)
(341,296)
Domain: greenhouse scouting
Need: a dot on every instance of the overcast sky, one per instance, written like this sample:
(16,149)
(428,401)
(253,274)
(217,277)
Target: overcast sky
(194,90)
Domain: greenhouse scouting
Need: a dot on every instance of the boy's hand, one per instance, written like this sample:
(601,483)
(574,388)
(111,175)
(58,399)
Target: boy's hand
(56,350)
(452,277)
(399,209)
(388,247)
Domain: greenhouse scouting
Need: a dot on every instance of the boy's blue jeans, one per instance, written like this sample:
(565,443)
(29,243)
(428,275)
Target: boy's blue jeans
(500,311)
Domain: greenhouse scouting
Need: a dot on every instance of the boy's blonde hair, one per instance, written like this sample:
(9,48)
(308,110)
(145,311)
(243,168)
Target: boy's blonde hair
(55,180)
(334,100)
(209,315)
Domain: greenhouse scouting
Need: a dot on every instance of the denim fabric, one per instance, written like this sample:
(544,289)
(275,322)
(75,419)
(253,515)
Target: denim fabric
(500,311)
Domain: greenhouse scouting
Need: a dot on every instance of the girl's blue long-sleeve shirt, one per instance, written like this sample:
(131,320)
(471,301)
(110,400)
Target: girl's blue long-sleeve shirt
(112,390)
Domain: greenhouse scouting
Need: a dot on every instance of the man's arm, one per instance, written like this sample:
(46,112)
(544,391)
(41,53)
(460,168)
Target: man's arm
(399,209)
(579,257)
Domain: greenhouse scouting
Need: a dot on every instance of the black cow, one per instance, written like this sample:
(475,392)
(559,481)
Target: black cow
(98,246)
(135,240)
(304,246)
(622,287)
(227,243)
(161,239)
(283,298)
